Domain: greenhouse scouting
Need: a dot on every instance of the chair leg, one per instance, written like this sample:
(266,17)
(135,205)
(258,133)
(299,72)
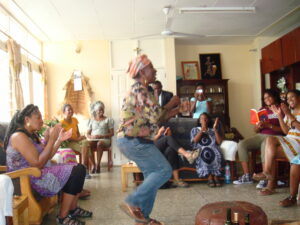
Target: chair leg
(110,162)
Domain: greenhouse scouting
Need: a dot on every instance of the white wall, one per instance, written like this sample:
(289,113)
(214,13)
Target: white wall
(93,60)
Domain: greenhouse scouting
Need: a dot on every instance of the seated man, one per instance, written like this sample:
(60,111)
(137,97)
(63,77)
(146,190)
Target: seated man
(163,97)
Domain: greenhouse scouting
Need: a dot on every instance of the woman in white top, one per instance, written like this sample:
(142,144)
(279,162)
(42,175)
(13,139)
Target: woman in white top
(285,146)
(101,129)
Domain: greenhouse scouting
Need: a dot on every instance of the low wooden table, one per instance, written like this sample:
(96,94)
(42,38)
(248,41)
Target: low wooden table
(125,169)
(20,209)
(215,213)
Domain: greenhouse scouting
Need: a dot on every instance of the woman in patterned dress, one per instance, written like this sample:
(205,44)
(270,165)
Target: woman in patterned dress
(24,149)
(101,128)
(285,147)
(207,140)
(140,115)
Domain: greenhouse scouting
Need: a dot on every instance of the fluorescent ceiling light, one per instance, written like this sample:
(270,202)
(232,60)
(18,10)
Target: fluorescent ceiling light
(217,10)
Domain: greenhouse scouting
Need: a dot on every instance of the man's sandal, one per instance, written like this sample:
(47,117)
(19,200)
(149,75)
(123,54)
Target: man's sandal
(150,222)
(134,212)
(68,220)
(82,213)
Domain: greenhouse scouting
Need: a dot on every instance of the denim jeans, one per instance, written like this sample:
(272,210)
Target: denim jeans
(155,168)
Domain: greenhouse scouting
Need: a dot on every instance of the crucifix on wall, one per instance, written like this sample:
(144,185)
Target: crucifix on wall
(137,50)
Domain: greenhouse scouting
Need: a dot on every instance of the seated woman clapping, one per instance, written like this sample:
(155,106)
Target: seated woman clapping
(77,142)
(100,128)
(285,147)
(24,149)
(209,161)
(170,149)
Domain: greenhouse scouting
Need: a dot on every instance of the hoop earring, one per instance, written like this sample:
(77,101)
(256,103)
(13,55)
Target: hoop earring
(28,124)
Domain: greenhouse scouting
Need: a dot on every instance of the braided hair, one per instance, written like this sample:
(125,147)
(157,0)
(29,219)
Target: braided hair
(17,123)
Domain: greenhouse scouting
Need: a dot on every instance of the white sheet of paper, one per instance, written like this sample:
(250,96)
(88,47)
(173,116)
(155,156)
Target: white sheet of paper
(77,84)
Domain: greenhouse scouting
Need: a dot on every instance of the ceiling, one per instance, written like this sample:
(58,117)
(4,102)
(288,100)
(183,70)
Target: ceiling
(62,20)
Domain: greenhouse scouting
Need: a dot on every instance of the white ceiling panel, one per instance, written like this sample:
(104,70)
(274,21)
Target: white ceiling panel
(102,19)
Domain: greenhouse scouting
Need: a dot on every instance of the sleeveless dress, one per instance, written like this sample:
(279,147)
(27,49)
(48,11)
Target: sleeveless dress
(291,142)
(53,178)
(210,158)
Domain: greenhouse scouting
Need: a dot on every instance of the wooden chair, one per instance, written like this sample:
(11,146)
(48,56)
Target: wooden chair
(37,209)
(94,148)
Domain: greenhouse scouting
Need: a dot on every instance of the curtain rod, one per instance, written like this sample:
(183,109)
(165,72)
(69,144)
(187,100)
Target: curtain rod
(21,46)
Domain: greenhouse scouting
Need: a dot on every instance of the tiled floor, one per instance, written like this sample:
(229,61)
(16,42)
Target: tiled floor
(173,206)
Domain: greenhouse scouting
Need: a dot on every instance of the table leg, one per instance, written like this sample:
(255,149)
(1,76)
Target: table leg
(123,179)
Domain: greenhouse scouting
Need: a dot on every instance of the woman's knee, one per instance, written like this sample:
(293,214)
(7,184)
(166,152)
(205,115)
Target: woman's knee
(80,170)
(100,144)
(243,151)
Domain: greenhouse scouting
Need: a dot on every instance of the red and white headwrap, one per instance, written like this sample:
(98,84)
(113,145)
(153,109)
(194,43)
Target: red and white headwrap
(137,64)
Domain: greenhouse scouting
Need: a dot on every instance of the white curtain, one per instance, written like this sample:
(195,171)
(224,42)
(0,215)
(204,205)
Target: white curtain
(15,66)
(44,77)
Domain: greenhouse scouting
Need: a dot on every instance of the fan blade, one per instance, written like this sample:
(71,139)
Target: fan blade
(168,23)
(146,36)
(179,34)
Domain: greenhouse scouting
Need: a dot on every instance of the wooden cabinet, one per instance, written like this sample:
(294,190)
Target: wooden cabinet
(272,57)
(297,43)
(215,89)
(283,52)
(281,59)
(291,47)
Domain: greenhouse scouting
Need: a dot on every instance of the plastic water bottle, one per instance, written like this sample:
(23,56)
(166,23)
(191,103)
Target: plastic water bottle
(227,179)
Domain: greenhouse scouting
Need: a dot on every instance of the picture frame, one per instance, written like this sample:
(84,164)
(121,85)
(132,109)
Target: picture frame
(190,70)
(210,65)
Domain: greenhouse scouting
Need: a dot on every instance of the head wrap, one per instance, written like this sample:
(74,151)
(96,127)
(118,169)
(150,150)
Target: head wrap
(137,64)
(95,106)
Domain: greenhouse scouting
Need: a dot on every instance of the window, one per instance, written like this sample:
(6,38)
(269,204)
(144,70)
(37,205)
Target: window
(25,82)
(31,79)
(38,90)
(4,87)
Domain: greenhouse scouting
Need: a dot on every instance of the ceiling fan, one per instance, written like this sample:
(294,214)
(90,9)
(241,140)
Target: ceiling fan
(167,32)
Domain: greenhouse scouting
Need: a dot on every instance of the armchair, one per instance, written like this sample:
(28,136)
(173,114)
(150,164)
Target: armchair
(37,209)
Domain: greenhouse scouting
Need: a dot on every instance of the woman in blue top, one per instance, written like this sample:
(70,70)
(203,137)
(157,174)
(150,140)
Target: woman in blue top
(200,103)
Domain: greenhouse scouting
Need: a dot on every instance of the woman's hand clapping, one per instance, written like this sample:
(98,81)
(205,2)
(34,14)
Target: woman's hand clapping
(64,135)
(216,123)
(277,110)
(285,109)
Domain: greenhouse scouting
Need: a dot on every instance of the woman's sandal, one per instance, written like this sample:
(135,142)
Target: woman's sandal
(211,183)
(266,191)
(262,176)
(82,213)
(68,220)
(289,201)
(218,183)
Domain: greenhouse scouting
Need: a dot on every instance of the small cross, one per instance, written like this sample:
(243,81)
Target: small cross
(137,50)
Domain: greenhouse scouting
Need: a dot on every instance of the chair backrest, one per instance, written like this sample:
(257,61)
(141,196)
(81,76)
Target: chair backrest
(3,128)
(181,129)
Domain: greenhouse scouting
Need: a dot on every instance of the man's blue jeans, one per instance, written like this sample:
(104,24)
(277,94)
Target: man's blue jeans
(156,170)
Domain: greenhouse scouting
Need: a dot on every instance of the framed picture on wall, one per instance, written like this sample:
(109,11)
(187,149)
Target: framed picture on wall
(190,70)
(210,66)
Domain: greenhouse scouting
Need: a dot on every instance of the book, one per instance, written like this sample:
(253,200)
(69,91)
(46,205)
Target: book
(257,116)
